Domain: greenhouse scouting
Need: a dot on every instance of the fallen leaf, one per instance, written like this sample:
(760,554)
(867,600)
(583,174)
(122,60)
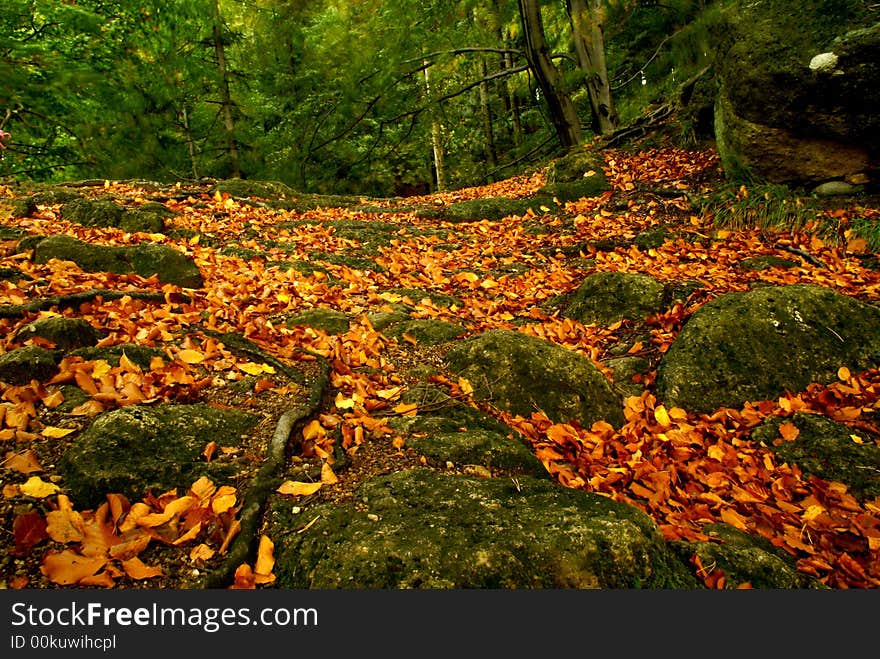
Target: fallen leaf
(68,567)
(38,488)
(28,530)
(298,488)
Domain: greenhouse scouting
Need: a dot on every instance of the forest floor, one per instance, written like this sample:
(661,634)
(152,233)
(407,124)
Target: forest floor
(377,258)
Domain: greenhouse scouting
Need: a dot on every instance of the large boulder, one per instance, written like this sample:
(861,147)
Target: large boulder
(757,345)
(138,448)
(425,529)
(523,374)
(607,297)
(798,92)
(144,259)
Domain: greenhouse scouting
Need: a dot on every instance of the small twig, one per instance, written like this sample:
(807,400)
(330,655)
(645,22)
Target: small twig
(806,256)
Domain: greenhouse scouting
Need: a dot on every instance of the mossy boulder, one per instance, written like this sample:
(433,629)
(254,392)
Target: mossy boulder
(445,430)
(66,333)
(830,450)
(746,560)
(798,90)
(92,212)
(144,259)
(425,331)
(579,164)
(424,529)
(18,367)
(523,374)
(759,344)
(141,356)
(135,449)
(326,320)
(607,297)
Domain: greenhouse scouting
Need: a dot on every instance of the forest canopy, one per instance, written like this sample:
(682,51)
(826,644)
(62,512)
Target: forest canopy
(371,97)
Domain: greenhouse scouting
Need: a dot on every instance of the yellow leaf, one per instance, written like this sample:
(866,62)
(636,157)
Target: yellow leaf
(101,369)
(466,387)
(191,356)
(406,409)
(222,503)
(256,369)
(201,552)
(327,475)
(297,488)
(662,416)
(344,403)
(857,439)
(55,433)
(843,373)
(812,512)
(37,487)
(313,430)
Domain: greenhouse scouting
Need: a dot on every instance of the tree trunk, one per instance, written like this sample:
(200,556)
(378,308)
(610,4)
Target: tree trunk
(588,29)
(226,103)
(436,140)
(486,112)
(562,111)
(190,142)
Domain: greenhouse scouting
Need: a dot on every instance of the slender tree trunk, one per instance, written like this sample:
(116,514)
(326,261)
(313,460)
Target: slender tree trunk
(562,111)
(226,103)
(190,142)
(588,28)
(436,139)
(513,104)
(486,112)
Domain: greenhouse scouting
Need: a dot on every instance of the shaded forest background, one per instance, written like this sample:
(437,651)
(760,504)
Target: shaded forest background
(371,97)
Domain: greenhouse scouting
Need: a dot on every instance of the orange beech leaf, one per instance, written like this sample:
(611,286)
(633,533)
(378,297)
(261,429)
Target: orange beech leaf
(25,462)
(730,516)
(68,567)
(327,475)
(201,552)
(173,509)
(203,488)
(223,502)
(244,578)
(191,534)
(137,569)
(298,488)
(789,431)
(65,525)
(133,544)
(265,561)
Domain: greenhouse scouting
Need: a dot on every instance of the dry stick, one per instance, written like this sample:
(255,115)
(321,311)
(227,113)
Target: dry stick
(73,300)
(265,482)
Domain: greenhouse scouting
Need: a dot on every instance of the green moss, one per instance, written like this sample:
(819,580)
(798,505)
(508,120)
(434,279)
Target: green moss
(327,320)
(426,332)
(423,529)
(607,297)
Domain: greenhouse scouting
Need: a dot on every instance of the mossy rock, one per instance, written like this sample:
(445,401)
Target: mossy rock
(424,529)
(760,344)
(491,208)
(625,369)
(136,449)
(830,450)
(92,212)
(327,320)
(147,218)
(592,186)
(747,560)
(446,430)
(237,187)
(426,331)
(607,297)
(144,259)
(521,374)
(66,333)
(18,367)
(576,165)
(384,319)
